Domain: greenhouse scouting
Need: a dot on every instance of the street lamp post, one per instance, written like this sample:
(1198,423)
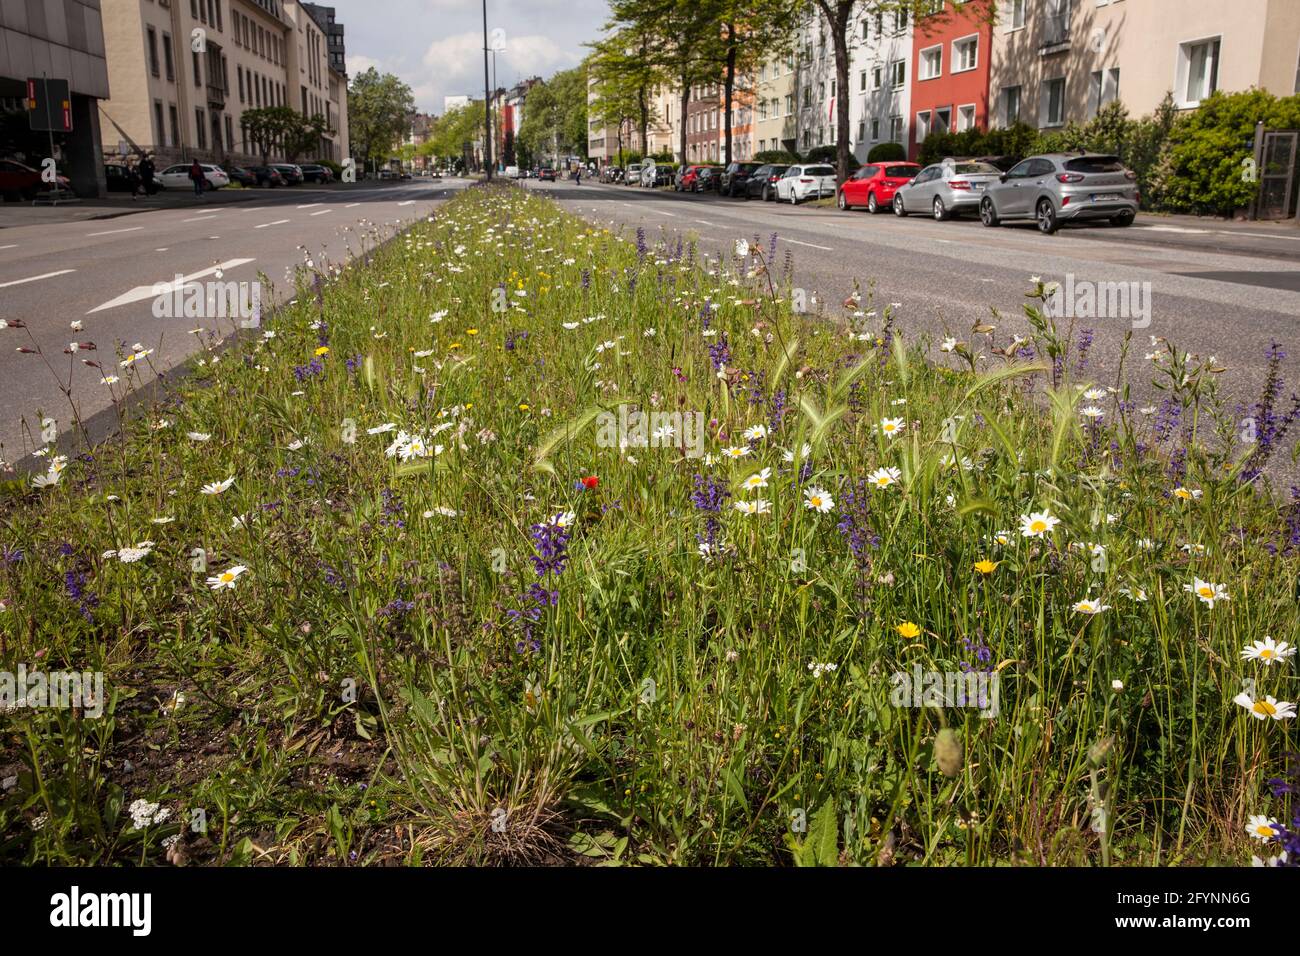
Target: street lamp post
(487,100)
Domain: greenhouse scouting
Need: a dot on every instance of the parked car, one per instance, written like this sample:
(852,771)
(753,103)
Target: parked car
(685,178)
(1062,187)
(267,176)
(386,175)
(632,174)
(762,181)
(874,185)
(610,174)
(664,176)
(315,173)
(290,173)
(120,178)
(238,174)
(706,180)
(21,181)
(946,189)
(735,179)
(178,176)
(802,182)
(546,174)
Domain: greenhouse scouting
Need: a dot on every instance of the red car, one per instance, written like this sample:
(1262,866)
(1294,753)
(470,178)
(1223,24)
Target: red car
(23,182)
(686,181)
(873,185)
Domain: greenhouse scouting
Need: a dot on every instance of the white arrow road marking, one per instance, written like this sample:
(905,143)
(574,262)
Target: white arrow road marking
(142,292)
(278,222)
(113,232)
(48,275)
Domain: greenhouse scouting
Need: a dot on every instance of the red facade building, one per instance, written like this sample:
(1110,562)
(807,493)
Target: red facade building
(950,71)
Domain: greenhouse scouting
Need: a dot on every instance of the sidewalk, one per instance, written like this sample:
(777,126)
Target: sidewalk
(120,204)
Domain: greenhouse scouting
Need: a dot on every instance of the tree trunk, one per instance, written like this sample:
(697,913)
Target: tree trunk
(686,100)
(643,118)
(841,105)
(728,85)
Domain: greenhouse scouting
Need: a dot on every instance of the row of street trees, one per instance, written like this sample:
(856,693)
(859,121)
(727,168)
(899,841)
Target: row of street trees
(679,44)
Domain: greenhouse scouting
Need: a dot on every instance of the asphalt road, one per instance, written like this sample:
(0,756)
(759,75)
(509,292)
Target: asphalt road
(1227,290)
(102,273)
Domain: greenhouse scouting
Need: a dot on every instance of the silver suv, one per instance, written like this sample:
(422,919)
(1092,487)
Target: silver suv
(1057,187)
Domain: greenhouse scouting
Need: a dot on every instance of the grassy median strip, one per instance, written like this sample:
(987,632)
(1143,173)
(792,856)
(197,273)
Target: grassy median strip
(521,541)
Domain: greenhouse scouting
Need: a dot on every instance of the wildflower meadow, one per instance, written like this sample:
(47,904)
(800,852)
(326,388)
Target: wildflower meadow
(513,540)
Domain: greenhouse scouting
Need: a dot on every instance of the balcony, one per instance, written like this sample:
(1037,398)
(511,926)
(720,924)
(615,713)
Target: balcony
(1055,37)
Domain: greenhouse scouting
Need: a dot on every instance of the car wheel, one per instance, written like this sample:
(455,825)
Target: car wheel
(1123,219)
(843,202)
(873,207)
(1047,223)
(794,197)
(899,209)
(988,214)
(941,213)
(767,193)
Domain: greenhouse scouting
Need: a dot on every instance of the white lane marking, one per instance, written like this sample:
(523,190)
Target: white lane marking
(142,292)
(278,222)
(813,245)
(113,232)
(323,212)
(48,275)
(12,246)
(409,202)
(352,205)
(310,205)
(198,218)
(704,222)
(163,249)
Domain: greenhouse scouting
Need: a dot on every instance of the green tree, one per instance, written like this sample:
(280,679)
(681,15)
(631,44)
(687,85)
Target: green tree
(379,110)
(283,128)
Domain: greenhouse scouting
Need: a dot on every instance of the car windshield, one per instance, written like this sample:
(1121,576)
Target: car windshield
(901,172)
(819,171)
(1095,164)
(982,169)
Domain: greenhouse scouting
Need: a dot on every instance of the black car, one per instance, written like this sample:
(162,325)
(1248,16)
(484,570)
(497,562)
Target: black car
(291,173)
(762,181)
(121,179)
(315,173)
(546,175)
(735,178)
(238,174)
(664,175)
(707,180)
(267,176)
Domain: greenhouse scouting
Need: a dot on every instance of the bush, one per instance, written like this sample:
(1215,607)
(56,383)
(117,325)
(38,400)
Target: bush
(887,153)
(827,154)
(1203,170)
(333,167)
(775,156)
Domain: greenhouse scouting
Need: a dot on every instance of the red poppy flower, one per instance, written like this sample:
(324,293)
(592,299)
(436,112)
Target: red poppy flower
(590,482)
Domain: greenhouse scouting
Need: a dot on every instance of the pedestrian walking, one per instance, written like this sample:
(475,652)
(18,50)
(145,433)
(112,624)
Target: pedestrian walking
(196,174)
(146,170)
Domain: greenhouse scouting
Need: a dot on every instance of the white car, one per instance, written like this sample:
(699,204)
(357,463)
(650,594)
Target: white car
(806,182)
(178,177)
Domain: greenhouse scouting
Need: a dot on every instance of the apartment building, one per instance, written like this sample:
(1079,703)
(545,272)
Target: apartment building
(1060,61)
(880,60)
(607,142)
(58,40)
(183,72)
(775,120)
(703,139)
(951,52)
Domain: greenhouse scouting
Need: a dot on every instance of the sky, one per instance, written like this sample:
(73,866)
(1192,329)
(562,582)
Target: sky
(436,46)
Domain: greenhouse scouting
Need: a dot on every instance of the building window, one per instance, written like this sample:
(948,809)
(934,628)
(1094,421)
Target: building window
(159,134)
(862,130)
(1198,67)
(153,50)
(175,124)
(1103,88)
(942,120)
(965,118)
(239,74)
(930,63)
(167,57)
(900,20)
(1010,105)
(202,129)
(230,134)
(1056,22)
(789,103)
(922,126)
(198,71)
(899,74)
(1016,16)
(895,129)
(965,54)
(1053,105)
(875,130)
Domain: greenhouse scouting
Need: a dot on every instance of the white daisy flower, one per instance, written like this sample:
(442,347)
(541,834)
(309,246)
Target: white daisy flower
(217,487)
(1207,591)
(1037,524)
(226,579)
(1267,651)
(817,499)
